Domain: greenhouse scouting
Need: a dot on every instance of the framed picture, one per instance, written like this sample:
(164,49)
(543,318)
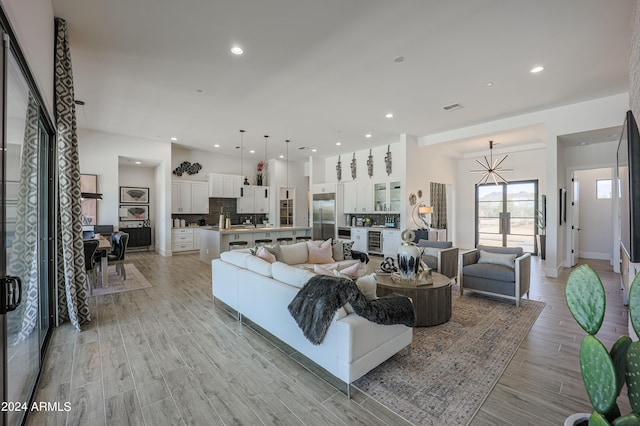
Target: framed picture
(134,212)
(131,194)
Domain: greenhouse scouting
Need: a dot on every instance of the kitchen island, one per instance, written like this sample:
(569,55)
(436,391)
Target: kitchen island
(214,241)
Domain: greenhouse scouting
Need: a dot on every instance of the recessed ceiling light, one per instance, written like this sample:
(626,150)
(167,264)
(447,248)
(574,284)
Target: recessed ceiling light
(368,135)
(138,162)
(537,69)
(216,145)
(174,139)
(237,50)
(489,83)
(389,115)
(282,156)
(314,150)
(253,151)
(338,143)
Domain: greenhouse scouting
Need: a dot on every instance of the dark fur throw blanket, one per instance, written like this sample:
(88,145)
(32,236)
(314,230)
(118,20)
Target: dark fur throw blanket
(316,303)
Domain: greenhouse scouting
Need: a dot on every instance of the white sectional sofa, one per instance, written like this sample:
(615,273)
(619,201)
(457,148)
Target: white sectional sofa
(262,291)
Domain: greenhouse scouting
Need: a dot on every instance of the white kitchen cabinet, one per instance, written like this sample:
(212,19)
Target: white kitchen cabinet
(364,197)
(350,194)
(387,196)
(182,239)
(391,241)
(247,202)
(224,186)
(323,188)
(261,203)
(189,197)
(255,199)
(359,238)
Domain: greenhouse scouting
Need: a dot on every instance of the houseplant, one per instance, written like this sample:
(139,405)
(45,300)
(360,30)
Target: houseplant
(260,167)
(605,372)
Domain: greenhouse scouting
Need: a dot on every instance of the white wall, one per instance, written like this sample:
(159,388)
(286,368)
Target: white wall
(379,170)
(99,154)
(596,216)
(34,26)
(212,162)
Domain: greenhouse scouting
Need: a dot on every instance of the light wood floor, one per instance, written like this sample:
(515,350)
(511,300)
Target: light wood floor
(169,355)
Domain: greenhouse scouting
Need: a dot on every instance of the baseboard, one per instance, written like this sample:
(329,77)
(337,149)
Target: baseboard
(595,255)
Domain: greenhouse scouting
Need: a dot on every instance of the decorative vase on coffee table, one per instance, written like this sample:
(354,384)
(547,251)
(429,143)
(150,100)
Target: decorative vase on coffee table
(408,256)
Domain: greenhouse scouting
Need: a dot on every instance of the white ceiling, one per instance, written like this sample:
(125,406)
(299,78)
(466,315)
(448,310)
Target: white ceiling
(323,71)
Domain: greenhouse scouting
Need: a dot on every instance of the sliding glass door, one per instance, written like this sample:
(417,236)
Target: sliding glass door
(25,291)
(506,214)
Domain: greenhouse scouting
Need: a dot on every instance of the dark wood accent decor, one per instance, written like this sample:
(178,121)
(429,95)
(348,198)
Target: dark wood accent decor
(139,238)
(432,303)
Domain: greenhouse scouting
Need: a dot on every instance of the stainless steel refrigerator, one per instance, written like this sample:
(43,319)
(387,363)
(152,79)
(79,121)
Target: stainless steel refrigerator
(324,216)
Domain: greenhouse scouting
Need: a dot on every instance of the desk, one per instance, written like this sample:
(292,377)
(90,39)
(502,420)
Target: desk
(105,245)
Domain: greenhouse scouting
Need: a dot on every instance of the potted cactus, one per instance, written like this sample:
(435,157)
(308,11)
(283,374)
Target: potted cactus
(605,372)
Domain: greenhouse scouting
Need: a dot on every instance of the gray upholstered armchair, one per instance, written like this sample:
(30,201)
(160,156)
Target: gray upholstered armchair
(440,256)
(498,271)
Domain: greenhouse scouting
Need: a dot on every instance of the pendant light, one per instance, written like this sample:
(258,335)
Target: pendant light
(265,159)
(241,161)
(491,169)
(287,141)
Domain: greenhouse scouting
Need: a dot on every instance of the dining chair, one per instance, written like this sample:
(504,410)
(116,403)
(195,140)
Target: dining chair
(90,248)
(119,242)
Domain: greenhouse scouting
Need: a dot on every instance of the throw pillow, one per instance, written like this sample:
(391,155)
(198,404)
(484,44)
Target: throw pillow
(367,285)
(320,270)
(264,254)
(346,248)
(338,250)
(497,258)
(275,250)
(320,254)
(351,271)
(295,254)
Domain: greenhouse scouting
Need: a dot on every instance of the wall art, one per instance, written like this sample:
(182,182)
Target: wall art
(134,212)
(387,160)
(133,194)
(339,169)
(188,168)
(353,166)
(370,164)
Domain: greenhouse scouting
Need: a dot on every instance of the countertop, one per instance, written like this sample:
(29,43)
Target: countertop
(259,228)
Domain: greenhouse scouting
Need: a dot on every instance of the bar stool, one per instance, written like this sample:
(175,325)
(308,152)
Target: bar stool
(264,241)
(305,238)
(234,245)
(284,240)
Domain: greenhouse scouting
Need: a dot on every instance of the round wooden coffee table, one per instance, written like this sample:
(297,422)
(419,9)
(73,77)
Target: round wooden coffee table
(432,302)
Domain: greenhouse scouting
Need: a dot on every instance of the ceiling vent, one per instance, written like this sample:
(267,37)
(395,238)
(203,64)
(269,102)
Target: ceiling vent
(452,107)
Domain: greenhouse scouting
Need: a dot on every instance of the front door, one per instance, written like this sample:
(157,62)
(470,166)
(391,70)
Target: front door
(506,214)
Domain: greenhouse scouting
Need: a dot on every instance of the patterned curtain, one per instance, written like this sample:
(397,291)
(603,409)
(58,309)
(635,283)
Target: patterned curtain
(23,261)
(72,293)
(439,204)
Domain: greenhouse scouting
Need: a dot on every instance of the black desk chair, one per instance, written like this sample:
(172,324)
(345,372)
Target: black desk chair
(119,241)
(90,248)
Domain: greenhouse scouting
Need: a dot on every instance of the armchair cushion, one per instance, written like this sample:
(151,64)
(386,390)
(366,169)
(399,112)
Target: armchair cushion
(503,259)
(490,271)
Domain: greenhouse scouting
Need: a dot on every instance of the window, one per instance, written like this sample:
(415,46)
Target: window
(603,188)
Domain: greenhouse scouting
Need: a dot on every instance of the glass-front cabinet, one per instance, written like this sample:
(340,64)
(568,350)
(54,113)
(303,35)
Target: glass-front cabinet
(387,196)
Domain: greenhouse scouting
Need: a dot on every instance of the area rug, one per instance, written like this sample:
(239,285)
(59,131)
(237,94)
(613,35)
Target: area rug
(135,281)
(454,366)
